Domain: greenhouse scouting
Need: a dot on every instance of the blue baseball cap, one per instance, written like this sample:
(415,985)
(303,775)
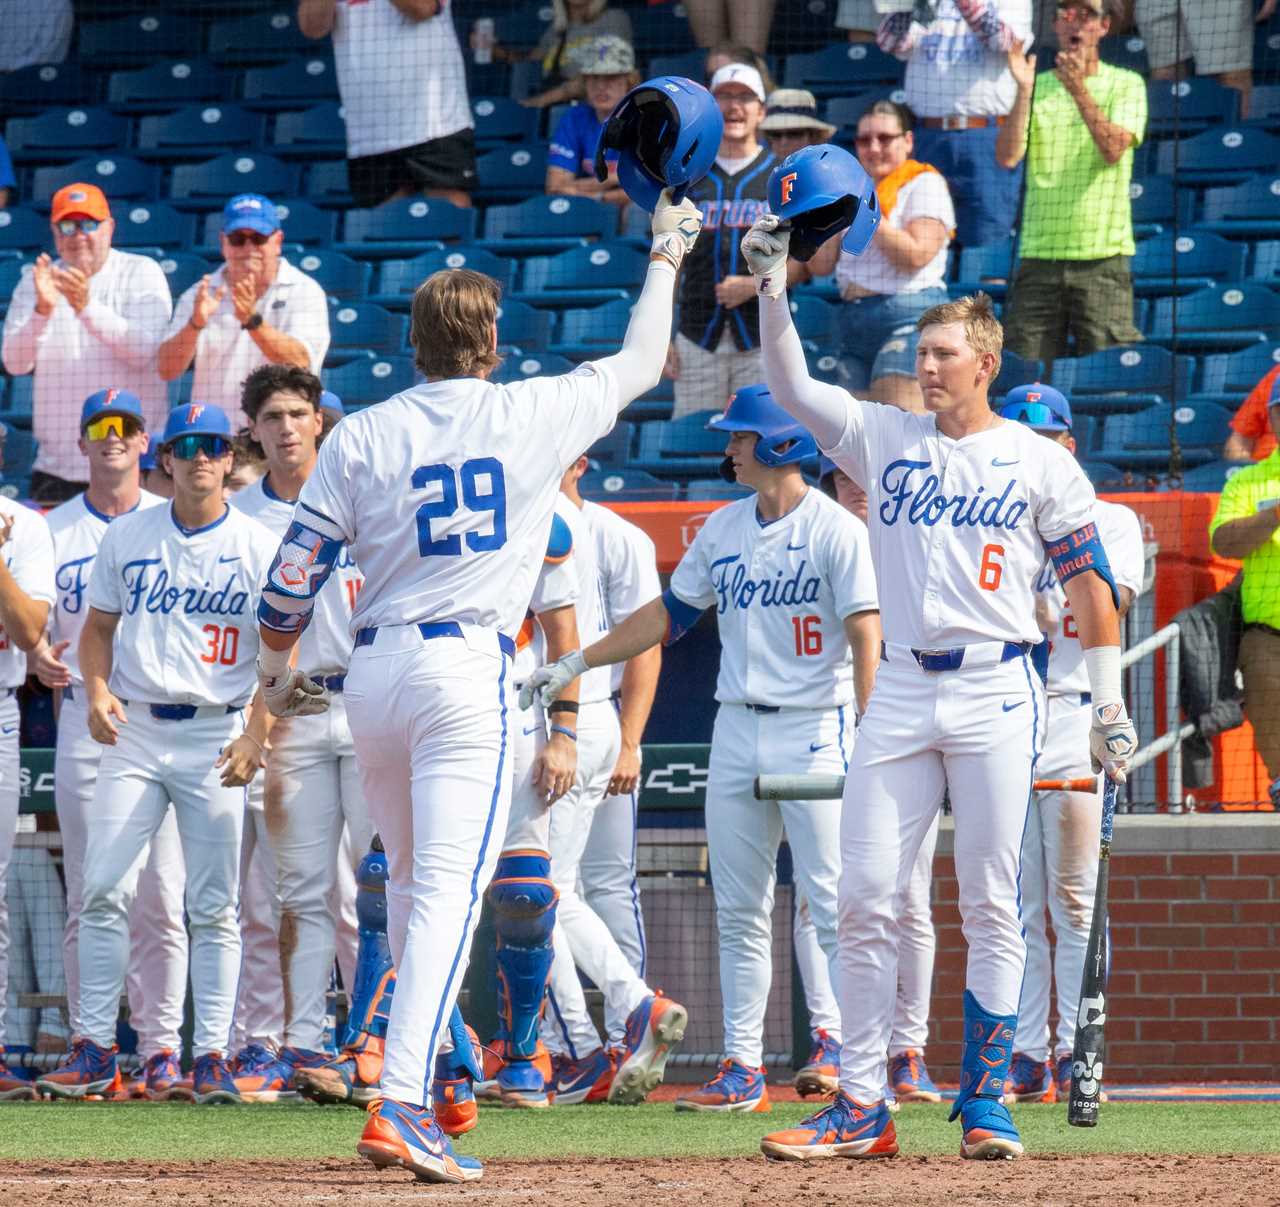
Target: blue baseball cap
(1038,406)
(330,402)
(148,459)
(250,211)
(110,402)
(196,419)
(825,466)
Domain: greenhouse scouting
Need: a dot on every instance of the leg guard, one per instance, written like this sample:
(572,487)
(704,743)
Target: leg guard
(375,974)
(989,1131)
(524,904)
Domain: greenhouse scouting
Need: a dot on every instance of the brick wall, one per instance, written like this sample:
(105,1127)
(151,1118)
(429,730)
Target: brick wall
(1195,967)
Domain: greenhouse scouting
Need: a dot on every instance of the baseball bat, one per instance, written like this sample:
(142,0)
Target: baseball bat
(1091,1014)
(831,787)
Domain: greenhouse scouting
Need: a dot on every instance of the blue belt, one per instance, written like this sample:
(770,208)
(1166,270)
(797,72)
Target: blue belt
(178,712)
(332,683)
(951,660)
(763,708)
(440,628)
(1086,697)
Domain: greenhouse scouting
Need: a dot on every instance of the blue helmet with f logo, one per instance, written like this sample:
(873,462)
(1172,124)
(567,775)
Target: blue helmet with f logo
(820,191)
(782,440)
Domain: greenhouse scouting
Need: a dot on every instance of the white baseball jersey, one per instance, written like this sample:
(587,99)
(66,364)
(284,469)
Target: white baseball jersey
(782,590)
(77,531)
(325,645)
(597,683)
(29,555)
(627,563)
(958,527)
(555,587)
(424,531)
(1121,534)
(187,601)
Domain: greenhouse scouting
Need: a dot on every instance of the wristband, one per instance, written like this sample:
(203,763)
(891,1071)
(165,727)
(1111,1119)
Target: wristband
(1103,665)
(252,323)
(259,745)
(568,733)
(563,706)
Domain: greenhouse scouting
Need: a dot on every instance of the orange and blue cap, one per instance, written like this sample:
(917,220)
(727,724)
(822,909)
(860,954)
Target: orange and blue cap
(110,401)
(195,419)
(1038,406)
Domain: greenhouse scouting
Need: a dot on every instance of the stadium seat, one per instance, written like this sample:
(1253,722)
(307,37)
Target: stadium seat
(593,332)
(1185,107)
(1142,439)
(706,489)
(683,446)
(18,400)
(206,186)
(11,269)
(817,322)
(340,277)
(397,279)
(265,37)
(1103,474)
(1123,379)
(1250,210)
(507,174)
(44,86)
(522,27)
(24,230)
(302,222)
(543,364)
(311,134)
(119,177)
(523,327)
(615,447)
(327,182)
(1015,371)
(988,267)
(1266,262)
(842,68)
(1184,263)
(663,27)
(308,80)
(1130,52)
(1157,204)
(1226,378)
(1217,320)
(405,227)
(544,225)
(689,63)
(167,86)
(1085,430)
(148,38)
(488,79)
(19,460)
(624,483)
(367,380)
(1219,156)
(1264,107)
(60,134)
(1211,477)
(153,224)
(498,119)
(198,131)
(583,276)
(363,325)
(182,269)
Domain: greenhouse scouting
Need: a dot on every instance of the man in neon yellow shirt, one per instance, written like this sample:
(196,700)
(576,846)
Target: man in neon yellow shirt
(1078,136)
(1247,526)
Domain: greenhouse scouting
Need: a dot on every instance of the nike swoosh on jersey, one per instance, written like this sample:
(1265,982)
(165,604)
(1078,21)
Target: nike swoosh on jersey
(1002,464)
(1007,707)
(532,729)
(8,728)
(223,561)
(795,548)
(814,747)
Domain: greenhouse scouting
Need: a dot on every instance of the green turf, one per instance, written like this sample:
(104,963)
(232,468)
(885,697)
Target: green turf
(160,1132)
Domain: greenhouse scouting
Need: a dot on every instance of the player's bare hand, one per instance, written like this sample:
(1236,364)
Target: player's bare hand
(73,285)
(671,370)
(241,759)
(547,682)
(46,288)
(103,715)
(244,297)
(764,247)
(626,772)
(206,302)
(675,228)
(1022,67)
(46,661)
(555,767)
(6,529)
(292,694)
(1112,740)
(733,291)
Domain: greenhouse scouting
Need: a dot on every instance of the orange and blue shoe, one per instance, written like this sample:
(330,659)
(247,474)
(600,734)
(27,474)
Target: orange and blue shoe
(585,1080)
(843,1129)
(821,1075)
(409,1136)
(909,1078)
(452,1096)
(653,1029)
(1032,1080)
(214,1081)
(985,1067)
(989,1132)
(14,1088)
(525,1081)
(350,1078)
(736,1087)
(89,1069)
(161,1074)
(273,1080)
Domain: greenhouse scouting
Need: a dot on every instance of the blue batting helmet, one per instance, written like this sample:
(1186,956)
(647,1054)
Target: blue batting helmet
(820,191)
(752,409)
(666,132)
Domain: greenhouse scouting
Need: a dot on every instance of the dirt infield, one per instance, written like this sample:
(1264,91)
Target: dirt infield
(1044,1181)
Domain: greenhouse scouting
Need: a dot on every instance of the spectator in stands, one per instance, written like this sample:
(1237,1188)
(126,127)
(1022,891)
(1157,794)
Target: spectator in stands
(859,19)
(744,21)
(1218,34)
(34,32)
(8,181)
(960,87)
(404,97)
(717,346)
(91,315)
(902,273)
(608,73)
(1251,437)
(256,309)
(1247,526)
(724,53)
(1072,290)
(791,121)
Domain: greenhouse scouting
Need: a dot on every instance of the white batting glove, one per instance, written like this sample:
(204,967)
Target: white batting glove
(764,247)
(291,694)
(675,228)
(1112,740)
(547,682)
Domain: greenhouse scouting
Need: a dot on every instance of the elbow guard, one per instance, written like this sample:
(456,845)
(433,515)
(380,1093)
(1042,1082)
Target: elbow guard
(681,617)
(1080,551)
(302,565)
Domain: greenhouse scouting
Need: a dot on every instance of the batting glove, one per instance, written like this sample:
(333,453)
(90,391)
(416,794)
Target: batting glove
(675,228)
(1112,740)
(292,694)
(547,682)
(764,247)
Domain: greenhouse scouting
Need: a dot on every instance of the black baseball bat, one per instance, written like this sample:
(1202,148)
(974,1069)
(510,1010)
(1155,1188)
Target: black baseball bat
(1091,1015)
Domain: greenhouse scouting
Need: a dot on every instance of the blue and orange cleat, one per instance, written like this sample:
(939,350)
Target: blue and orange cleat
(12,1088)
(843,1129)
(989,1132)
(524,1081)
(89,1069)
(1032,1080)
(586,1080)
(214,1081)
(654,1027)
(736,1087)
(821,1075)
(452,1096)
(160,1074)
(410,1137)
(273,1080)
(350,1078)
(909,1078)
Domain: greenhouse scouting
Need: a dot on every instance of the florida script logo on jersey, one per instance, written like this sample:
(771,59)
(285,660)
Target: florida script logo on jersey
(924,503)
(736,590)
(73,578)
(154,594)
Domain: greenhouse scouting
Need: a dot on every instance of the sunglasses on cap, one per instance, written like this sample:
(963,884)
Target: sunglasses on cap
(1034,414)
(185,448)
(120,426)
(240,238)
(69,226)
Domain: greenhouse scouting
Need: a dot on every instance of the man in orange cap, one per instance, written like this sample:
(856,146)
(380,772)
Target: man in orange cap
(90,318)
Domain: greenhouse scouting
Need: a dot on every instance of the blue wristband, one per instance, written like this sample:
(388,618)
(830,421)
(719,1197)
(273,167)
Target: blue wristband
(568,733)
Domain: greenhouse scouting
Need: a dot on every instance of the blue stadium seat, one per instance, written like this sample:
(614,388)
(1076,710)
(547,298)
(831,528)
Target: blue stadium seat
(523,327)
(405,227)
(1015,371)
(147,38)
(1184,263)
(181,269)
(368,380)
(816,321)
(499,119)
(1211,477)
(583,276)
(988,267)
(1103,474)
(1266,50)
(544,225)
(341,277)
(1219,156)
(1248,210)
(153,224)
(206,186)
(487,79)
(507,174)
(704,490)
(18,400)
(19,460)
(1157,204)
(311,134)
(364,325)
(1142,439)
(593,332)
(24,230)
(307,80)
(662,27)
(397,279)
(1217,320)
(1227,377)
(198,131)
(12,266)
(623,484)
(689,63)
(683,447)
(118,176)
(61,134)
(327,183)
(265,37)
(1085,429)
(541,364)
(1185,107)
(522,27)
(844,111)
(1130,52)
(167,86)
(45,85)
(1266,262)
(305,223)
(842,68)
(1123,379)
(615,447)
(1264,107)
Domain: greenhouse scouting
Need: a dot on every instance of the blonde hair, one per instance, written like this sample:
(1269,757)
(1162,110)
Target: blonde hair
(452,319)
(982,329)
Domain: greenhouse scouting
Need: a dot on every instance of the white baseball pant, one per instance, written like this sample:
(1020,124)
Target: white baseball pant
(342,902)
(10,776)
(815,970)
(1059,870)
(34,895)
(608,876)
(155,762)
(259,1013)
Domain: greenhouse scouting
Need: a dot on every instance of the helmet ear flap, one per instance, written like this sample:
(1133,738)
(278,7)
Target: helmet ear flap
(818,226)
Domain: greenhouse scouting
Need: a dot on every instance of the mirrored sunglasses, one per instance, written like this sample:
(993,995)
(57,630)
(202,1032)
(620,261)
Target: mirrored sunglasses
(1034,414)
(120,426)
(69,226)
(240,238)
(185,448)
